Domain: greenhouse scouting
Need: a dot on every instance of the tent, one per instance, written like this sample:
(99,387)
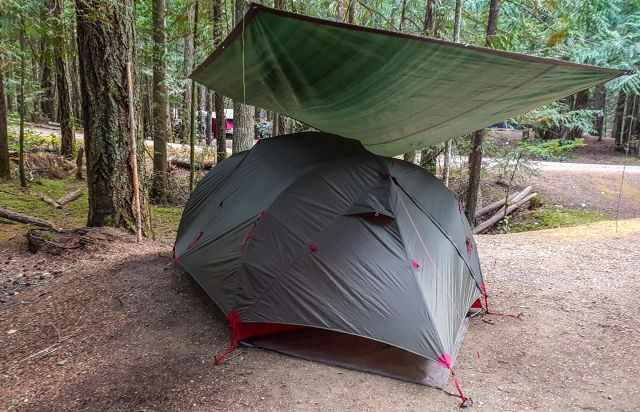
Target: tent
(313,246)
(392,91)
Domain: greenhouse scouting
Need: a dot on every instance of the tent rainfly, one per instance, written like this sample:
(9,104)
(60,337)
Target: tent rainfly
(394,92)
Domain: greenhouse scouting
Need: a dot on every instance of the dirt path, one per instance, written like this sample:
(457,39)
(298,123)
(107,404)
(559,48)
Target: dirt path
(123,335)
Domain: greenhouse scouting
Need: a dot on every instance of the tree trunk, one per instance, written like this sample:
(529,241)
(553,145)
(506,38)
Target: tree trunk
(475,163)
(188,66)
(403,14)
(243,127)
(5,172)
(492,22)
(351,11)
(160,104)
(429,21)
(192,110)
(599,102)
(580,102)
(105,105)
(218,99)
(619,118)
(46,83)
(475,157)
(221,139)
(243,115)
(65,108)
(22,108)
(446,166)
(428,159)
(208,131)
(457,21)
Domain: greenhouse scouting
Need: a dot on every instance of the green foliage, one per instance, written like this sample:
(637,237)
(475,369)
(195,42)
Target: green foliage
(34,141)
(554,149)
(558,115)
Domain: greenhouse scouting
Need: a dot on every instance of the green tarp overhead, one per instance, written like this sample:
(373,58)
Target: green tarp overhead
(393,92)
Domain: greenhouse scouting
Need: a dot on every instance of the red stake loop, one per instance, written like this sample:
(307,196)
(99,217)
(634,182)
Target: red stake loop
(234,337)
(466,401)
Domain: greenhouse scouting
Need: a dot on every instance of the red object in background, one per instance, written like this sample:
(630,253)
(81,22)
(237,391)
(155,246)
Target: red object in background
(228,127)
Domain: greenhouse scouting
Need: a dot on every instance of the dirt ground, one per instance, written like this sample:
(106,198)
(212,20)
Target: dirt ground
(112,329)
(598,189)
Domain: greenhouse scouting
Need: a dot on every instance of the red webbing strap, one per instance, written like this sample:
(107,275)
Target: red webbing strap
(485,296)
(446,361)
(234,337)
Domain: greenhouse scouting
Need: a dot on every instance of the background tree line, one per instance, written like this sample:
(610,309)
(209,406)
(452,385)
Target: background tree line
(69,62)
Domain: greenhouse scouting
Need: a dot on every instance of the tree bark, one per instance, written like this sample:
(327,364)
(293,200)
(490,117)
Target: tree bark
(5,172)
(208,131)
(46,83)
(107,26)
(160,104)
(192,110)
(599,102)
(243,115)
(218,99)
(475,157)
(492,22)
(429,21)
(619,118)
(65,108)
(22,108)
(457,21)
(446,166)
(475,164)
(188,66)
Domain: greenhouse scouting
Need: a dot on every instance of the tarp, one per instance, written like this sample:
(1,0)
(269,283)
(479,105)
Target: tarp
(394,92)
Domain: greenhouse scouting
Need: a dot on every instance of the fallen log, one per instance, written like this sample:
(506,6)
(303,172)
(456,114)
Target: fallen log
(492,206)
(49,201)
(185,164)
(69,197)
(21,218)
(513,198)
(521,195)
(502,213)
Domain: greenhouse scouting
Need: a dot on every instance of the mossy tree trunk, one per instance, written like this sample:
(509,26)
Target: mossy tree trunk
(105,46)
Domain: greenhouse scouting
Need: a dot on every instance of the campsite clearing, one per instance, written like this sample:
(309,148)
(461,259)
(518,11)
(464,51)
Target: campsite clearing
(130,341)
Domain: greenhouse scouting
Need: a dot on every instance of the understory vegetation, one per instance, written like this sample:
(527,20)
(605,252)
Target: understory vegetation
(164,219)
(549,217)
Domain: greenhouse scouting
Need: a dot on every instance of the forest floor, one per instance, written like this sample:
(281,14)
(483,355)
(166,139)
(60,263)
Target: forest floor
(110,328)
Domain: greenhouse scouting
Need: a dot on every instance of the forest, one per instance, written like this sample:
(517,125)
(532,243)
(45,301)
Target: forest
(115,173)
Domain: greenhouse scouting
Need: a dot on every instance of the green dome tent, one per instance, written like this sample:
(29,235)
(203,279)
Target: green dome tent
(312,237)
